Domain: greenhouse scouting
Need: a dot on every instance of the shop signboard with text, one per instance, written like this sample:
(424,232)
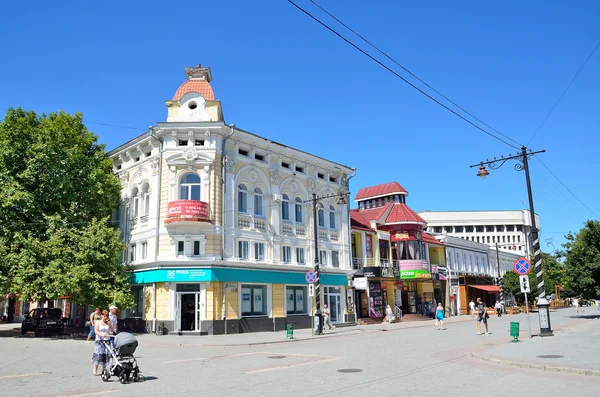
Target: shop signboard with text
(378,271)
(414,269)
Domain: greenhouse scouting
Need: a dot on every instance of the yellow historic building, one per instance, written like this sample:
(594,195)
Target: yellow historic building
(218,223)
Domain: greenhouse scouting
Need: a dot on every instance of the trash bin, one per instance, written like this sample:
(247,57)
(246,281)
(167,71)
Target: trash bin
(514,331)
(289,331)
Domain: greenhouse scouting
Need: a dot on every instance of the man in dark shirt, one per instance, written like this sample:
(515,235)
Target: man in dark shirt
(481,316)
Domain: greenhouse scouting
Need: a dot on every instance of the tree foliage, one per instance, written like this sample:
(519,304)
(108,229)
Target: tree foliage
(582,261)
(58,191)
(511,285)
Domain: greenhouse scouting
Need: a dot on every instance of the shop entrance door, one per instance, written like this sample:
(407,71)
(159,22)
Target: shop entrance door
(189,311)
(333,298)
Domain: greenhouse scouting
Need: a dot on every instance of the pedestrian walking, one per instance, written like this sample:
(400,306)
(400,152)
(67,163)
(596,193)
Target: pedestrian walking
(498,307)
(326,320)
(389,313)
(439,316)
(114,321)
(482,316)
(472,307)
(103,330)
(576,304)
(95,316)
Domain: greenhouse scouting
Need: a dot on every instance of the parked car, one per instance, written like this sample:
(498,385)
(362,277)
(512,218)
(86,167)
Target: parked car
(42,321)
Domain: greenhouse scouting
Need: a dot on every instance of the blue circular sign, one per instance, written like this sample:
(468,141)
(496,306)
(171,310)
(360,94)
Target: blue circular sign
(522,266)
(311,277)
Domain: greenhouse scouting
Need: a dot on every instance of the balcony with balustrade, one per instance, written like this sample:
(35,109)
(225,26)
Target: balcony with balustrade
(249,222)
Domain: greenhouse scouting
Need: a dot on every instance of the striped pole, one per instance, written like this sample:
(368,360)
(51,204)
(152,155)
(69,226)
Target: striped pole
(499,275)
(539,272)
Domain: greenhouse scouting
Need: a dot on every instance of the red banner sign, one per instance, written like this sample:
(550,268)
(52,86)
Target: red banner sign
(187,209)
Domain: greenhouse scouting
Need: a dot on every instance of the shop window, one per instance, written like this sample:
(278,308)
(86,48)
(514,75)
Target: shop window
(242,249)
(137,310)
(259,252)
(285,208)
(254,300)
(189,189)
(286,254)
(296,300)
(335,259)
(300,256)
(242,199)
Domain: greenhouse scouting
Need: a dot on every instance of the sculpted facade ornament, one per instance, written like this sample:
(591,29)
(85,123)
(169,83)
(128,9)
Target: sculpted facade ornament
(191,155)
(230,163)
(174,134)
(312,185)
(275,175)
(124,178)
(154,164)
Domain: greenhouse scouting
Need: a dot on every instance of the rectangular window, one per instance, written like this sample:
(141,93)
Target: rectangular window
(136,159)
(519,228)
(458,229)
(298,207)
(489,228)
(199,142)
(477,238)
(448,229)
(286,254)
(500,228)
(300,256)
(285,210)
(144,250)
(243,152)
(254,300)
(138,302)
(469,229)
(503,239)
(331,219)
(259,157)
(196,248)
(242,249)
(488,239)
(323,258)
(479,229)
(321,217)
(183,142)
(259,252)
(147,154)
(332,179)
(296,302)
(258,205)
(180,248)
(335,259)
(285,165)
(437,229)
(299,169)
(518,239)
(132,253)
(510,228)
(320,176)
(243,201)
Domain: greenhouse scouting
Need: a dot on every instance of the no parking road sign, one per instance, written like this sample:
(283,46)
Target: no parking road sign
(311,276)
(522,266)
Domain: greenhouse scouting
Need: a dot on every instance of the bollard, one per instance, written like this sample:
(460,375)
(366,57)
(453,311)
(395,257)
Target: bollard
(318,322)
(514,331)
(289,331)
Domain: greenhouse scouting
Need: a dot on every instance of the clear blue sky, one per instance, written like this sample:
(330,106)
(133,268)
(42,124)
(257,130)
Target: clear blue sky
(280,75)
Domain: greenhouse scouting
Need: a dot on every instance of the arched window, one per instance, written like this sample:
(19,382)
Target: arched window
(242,199)
(146,200)
(258,202)
(135,203)
(321,216)
(189,189)
(285,208)
(331,217)
(298,210)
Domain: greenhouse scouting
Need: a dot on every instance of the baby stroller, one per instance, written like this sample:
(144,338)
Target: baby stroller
(122,363)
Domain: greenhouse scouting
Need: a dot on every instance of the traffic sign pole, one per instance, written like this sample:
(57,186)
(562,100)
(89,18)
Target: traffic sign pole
(528,319)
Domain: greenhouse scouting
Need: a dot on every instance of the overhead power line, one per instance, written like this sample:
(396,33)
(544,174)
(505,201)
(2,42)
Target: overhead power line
(411,73)
(565,186)
(564,92)
(399,76)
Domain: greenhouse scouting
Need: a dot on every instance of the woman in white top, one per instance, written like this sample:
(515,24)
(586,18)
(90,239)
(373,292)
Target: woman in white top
(103,330)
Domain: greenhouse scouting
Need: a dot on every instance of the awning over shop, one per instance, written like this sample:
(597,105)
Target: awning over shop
(488,288)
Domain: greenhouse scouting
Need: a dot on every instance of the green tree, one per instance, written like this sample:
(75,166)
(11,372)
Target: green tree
(58,191)
(511,284)
(582,261)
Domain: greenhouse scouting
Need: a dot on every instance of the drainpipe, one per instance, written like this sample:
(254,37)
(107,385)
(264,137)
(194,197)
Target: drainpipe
(224,188)
(158,190)
(352,175)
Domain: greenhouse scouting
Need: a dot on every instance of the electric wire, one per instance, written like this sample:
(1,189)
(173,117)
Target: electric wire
(564,92)
(411,73)
(399,76)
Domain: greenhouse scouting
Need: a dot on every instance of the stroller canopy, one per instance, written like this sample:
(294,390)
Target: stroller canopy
(125,339)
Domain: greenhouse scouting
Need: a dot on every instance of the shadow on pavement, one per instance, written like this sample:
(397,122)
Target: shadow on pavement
(587,316)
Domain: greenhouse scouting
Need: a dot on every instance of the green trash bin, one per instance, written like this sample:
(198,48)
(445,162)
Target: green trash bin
(514,331)
(289,331)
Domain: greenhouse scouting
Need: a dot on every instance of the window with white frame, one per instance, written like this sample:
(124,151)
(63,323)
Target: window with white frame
(254,300)
(180,248)
(242,249)
(285,208)
(286,254)
(298,207)
(300,255)
(321,215)
(259,252)
(332,217)
(135,203)
(189,188)
(197,248)
(258,202)
(323,258)
(242,199)
(296,300)
(146,200)
(335,259)
(144,250)
(132,249)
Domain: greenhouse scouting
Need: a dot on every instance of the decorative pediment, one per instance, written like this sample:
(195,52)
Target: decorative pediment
(190,156)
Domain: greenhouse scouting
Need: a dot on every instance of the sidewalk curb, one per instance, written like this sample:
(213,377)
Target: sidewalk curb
(549,368)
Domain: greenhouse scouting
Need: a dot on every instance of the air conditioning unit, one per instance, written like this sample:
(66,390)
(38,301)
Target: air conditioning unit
(277,198)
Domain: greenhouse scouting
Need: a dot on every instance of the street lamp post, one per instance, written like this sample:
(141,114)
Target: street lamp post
(523,164)
(341,200)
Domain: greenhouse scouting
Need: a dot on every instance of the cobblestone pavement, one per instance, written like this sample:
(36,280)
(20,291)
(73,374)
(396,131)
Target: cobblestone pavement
(380,360)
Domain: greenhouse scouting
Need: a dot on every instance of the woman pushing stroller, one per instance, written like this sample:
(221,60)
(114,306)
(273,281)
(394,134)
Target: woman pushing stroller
(103,329)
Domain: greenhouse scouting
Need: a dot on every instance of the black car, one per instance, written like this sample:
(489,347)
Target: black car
(42,321)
